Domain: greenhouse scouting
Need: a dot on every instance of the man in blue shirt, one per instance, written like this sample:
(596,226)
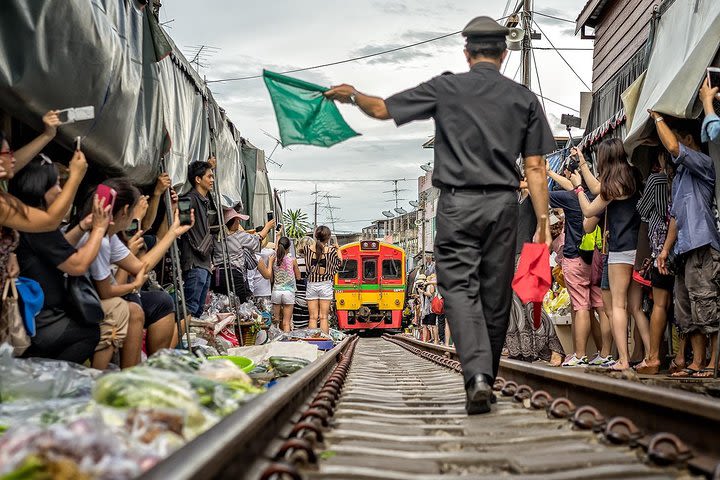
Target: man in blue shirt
(693,231)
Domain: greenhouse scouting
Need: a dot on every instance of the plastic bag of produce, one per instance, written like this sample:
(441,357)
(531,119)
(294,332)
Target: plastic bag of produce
(174,361)
(222,370)
(288,365)
(84,448)
(40,379)
(152,387)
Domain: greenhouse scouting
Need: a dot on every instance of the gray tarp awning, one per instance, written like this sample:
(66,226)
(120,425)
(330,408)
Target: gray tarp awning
(105,53)
(687,39)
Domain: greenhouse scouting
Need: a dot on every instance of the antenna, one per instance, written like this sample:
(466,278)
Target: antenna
(395,191)
(200,55)
(278,143)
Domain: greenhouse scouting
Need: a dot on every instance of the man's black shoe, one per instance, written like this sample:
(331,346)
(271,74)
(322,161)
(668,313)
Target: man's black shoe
(493,399)
(479,395)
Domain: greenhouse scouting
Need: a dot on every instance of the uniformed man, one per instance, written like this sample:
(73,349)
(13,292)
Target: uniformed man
(484,122)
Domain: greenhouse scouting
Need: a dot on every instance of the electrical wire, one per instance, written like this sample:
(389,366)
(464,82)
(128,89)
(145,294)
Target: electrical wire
(343,180)
(568,49)
(347,60)
(561,55)
(557,103)
(537,75)
(554,17)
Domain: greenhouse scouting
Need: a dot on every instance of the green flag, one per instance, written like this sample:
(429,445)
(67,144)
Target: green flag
(303,114)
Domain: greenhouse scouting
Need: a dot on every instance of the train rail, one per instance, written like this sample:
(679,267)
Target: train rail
(393,408)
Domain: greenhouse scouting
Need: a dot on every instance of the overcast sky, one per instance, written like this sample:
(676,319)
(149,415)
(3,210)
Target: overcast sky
(284,34)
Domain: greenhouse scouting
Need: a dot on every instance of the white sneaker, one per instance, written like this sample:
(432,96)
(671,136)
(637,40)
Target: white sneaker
(574,361)
(609,362)
(599,360)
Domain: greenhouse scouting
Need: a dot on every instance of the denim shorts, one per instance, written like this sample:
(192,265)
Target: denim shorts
(605,281)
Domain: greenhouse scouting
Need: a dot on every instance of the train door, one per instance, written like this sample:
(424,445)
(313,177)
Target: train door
(370,270)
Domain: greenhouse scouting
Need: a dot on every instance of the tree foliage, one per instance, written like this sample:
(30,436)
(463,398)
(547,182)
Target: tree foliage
(296,223)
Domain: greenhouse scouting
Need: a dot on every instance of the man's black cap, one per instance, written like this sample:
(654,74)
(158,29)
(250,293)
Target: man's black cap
(483,29)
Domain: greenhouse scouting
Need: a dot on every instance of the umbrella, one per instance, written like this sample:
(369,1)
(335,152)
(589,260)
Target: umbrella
(533,277)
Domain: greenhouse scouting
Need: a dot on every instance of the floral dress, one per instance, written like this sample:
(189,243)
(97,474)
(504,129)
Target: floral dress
(9,240)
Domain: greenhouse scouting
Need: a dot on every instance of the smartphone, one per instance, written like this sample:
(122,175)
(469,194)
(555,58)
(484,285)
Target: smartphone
(78,144)
(713,75)
(133,228)
(71,115)
(109,194)
(270,216)
(184,207)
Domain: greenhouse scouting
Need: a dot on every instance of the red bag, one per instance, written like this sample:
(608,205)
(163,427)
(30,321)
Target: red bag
(437,305)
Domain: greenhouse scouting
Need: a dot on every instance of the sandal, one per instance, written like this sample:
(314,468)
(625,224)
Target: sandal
(674,367)
(684,373)
(704,373)
(647,369)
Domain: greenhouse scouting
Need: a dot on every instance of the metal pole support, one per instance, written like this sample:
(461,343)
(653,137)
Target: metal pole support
(180,305)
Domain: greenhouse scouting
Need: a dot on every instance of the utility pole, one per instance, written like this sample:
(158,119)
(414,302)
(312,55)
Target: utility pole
(316,193)
(527,42)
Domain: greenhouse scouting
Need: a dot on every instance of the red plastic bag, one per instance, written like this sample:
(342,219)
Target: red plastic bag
(437,305)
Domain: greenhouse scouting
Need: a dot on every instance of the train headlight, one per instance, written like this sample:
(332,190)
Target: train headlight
(342,302)
(397,302)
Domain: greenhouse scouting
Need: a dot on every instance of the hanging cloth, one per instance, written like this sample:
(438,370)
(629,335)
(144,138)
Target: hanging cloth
(304,115)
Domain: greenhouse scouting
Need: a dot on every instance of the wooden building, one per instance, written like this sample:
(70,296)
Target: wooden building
(620,30)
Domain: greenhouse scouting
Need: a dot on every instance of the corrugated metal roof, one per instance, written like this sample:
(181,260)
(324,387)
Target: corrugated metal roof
(590,14)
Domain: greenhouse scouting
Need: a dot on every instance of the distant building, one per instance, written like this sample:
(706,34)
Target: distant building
(400,230)
(345,238)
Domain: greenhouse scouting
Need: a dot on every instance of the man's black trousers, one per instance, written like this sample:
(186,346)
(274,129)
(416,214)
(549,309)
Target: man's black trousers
(475,255)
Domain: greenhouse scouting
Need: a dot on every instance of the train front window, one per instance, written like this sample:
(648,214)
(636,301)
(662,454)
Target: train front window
(370,269)
(391,269)
(349,270)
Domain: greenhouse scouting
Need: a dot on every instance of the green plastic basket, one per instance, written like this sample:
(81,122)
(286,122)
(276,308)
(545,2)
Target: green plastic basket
(245,364)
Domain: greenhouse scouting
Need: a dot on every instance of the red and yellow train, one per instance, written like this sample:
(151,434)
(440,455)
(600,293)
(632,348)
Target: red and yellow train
(370,287)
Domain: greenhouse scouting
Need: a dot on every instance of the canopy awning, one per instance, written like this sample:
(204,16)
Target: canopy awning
(686,41)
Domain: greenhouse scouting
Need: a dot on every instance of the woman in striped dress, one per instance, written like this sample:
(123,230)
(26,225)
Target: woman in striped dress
(323,262)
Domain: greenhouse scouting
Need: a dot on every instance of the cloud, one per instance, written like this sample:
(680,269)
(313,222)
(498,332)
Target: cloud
(393,8)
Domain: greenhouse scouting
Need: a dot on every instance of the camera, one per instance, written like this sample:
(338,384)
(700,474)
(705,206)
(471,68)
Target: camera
(573,164)
(184,211)
(72,115)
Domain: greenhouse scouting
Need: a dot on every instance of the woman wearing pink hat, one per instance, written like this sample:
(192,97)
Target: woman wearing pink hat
(241,247)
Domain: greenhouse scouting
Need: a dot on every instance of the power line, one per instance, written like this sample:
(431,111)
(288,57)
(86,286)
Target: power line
(554,17)
(537,75)
(561,55)
(343,180)
(348,60)
(566,49)
(557,103)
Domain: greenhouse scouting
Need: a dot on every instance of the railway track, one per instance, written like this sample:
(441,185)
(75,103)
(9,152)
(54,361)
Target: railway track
(390,408)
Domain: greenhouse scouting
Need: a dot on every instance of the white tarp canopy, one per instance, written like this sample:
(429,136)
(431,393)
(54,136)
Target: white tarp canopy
(686,41)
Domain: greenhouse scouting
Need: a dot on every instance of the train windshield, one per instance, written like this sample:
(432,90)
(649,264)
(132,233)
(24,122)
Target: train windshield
(369,269)
(391,269)
(349,270)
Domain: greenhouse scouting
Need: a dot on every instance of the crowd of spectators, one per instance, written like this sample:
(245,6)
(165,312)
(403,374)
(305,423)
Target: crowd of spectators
(96,259)
(635,244)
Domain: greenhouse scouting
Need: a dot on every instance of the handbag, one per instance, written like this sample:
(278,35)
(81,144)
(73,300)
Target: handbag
(32,298)
(12,329)
(84,299)
(206,246)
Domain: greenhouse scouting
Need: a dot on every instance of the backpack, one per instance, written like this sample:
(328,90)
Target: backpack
(437,305)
